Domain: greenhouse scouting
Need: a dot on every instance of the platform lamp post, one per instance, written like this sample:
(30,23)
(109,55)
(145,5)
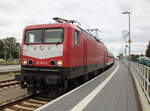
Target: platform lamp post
(125,50)
(125,35)
(129,41)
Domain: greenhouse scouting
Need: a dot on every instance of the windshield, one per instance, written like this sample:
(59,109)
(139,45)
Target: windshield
(53,36)
(33,36)
(44,36)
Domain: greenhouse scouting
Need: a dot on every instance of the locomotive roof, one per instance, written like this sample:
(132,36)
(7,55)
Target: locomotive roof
(50,26)
(59,25)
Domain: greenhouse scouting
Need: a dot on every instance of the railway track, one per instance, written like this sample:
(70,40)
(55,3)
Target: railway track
(8,83)
(28,103)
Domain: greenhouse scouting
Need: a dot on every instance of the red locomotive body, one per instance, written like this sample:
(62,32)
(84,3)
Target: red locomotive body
(52,54)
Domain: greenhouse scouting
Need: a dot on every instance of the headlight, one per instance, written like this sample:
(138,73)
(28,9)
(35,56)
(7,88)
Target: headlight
(24,62)
(59,63)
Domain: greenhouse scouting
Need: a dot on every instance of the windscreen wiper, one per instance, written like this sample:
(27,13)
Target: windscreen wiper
(60,40)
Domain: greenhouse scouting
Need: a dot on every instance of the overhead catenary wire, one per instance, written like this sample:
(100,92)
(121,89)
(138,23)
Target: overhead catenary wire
(67,8)
(74,13)
(64,3)
(20,19)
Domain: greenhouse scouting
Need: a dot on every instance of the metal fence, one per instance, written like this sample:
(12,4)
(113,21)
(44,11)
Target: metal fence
(143,76)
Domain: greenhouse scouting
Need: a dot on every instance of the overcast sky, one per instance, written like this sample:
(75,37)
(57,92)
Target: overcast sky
(103,14)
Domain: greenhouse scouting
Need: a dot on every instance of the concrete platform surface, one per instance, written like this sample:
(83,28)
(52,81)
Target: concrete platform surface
(113,90)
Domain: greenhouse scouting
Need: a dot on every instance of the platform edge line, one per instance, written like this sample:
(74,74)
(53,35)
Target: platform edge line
(84,102)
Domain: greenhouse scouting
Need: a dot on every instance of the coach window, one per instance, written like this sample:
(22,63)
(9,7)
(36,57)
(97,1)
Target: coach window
(76,38)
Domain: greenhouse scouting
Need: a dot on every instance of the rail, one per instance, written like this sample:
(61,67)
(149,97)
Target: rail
(143,76)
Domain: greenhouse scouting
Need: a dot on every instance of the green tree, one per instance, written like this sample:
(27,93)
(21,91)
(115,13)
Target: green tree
(1,48)
(10,48)
(148,50)
(134,57)
(15,52)
(142,55)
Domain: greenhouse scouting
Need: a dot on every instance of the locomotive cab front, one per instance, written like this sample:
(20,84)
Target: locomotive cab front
(42,46)
(42,57)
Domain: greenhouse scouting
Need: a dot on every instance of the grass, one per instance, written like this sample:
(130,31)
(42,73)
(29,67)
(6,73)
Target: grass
(8,62)
(7,76)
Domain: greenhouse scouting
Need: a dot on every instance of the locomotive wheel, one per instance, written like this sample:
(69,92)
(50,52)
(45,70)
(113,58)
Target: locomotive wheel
(31,91)
(22,85)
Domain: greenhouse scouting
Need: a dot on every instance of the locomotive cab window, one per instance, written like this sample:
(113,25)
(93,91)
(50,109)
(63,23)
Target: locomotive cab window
(45,36)
(33,36)
(53,36)
(76,38)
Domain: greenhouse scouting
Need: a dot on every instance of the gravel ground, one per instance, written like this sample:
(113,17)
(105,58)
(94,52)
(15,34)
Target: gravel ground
(12,93)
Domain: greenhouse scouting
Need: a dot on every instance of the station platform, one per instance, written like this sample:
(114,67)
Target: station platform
(113,90)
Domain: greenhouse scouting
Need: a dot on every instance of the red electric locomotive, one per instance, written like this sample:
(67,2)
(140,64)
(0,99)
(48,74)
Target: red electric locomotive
(53,54)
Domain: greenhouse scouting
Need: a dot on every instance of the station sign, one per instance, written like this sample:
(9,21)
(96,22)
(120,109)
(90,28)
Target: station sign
(125,33)
(129,41)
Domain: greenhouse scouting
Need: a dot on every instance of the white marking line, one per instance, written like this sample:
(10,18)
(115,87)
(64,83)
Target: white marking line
(83,103)
(57,99)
